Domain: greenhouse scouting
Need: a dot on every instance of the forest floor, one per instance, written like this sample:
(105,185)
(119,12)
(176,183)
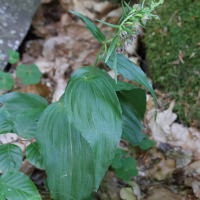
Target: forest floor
(59,44)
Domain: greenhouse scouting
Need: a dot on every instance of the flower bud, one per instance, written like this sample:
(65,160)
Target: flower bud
(120,49)
(103,55)
(127,43)
(136,25)
(123,34)
(131,37)
(137,7)
(145,18)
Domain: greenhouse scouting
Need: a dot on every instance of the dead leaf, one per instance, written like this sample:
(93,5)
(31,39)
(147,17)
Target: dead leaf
(180,56)
(80,7)
(127,194)
(164,194)
(50,44)
(150,102)
(110,183)
(178,135)
(193,142)
(161,128)
(44,64)
(192,54)
(40,89)
(182,157)
(135,60)
(27,168)
(14,139)
(196,188)
(194,166)
(136,189)
(176,62)
(162,170)
(112,17)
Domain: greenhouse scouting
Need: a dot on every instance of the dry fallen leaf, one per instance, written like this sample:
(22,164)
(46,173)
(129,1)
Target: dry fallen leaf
(161,128)
(50,44)
(182,157)
(196,188)
(194,166)
(162,170)
(14,139)
(163,194)
(135,60)
(136,189)
(193,142)
(178,135)
(127,194)
(27,168)
(44,64)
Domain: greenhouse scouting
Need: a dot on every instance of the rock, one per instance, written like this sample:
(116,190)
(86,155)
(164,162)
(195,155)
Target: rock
(15,18)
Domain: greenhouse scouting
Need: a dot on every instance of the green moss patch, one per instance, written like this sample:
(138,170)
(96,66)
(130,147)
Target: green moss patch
(173,55)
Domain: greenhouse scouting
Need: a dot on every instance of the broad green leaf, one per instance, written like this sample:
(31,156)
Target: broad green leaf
(68,158)
(146,144)
(97,116)
(117,163)
(5,122)
(14,56)
(132,127)
(131,71)
(18,186)
(91,27)
(6,80)
(28,76)
(117,87)
(112,47)
(33,155)
(112,25)
(137,97)
(1,195)
(10,157)
(25,123)
(16,103)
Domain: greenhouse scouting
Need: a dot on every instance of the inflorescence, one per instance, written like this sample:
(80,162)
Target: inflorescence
(136,17)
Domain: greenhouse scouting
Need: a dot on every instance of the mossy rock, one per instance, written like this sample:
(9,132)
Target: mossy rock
(173,55)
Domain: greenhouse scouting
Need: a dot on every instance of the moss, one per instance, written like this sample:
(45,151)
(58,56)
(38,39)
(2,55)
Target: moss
(173,55)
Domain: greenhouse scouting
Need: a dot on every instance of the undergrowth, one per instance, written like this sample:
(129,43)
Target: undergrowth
(173,55)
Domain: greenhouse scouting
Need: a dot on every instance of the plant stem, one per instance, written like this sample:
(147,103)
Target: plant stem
(109,40)
(127,18)
(95,62)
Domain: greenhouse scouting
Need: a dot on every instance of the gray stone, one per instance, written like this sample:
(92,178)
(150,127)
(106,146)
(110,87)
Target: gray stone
(15,20)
